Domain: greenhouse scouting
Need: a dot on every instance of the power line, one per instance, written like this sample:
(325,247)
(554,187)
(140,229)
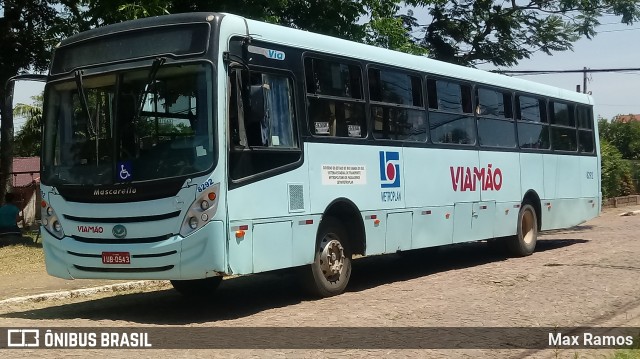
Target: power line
(543,72)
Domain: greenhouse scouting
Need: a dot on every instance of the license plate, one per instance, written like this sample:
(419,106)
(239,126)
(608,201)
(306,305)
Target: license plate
(116,258)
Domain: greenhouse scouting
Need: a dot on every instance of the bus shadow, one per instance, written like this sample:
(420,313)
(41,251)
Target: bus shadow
(244,296)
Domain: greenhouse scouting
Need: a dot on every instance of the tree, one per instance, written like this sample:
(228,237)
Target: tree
(28,140)
(625,136)
(616,172)
(28,31)
(470,32)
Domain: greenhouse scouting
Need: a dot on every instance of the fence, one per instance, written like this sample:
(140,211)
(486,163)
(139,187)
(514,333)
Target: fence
(621,201)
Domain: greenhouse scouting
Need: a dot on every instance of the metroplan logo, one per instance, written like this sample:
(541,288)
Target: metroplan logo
(389,169)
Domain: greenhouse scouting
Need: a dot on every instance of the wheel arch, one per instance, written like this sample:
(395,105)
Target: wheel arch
(345,211)
(531,197)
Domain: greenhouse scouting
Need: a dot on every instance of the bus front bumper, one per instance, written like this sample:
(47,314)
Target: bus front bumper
(199,255)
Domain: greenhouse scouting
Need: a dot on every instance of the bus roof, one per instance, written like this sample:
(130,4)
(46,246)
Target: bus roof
(340,47)
(321,43)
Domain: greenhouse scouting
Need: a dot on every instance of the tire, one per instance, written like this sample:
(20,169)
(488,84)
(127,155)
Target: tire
(330,271)
(205,287)
(524,242)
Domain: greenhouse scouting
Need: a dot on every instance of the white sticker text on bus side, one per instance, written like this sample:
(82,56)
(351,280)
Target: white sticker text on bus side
(344,175)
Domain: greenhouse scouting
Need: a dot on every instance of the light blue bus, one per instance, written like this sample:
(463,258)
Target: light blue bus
(192,146)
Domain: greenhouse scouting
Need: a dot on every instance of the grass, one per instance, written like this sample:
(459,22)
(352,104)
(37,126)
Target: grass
(20,254)
(626,354)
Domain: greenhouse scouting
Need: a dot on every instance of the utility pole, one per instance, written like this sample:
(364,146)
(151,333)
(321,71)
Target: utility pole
(584,80)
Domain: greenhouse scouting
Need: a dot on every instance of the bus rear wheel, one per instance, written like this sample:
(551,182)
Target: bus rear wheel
(524,242)
(205,287)
(330,271)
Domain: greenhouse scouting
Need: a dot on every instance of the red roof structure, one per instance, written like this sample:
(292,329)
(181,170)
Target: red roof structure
(626,118)
(26,171)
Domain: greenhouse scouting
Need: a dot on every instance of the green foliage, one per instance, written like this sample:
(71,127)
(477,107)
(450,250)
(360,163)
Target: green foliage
(616,172)
(470,32)
(28,140)
(625,136)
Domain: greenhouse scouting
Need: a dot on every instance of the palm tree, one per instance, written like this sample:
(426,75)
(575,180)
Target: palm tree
(28,140)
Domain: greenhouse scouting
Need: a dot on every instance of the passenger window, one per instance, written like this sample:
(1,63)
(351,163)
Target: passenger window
(449,96)
(563,139)
(331,78)
(533,136)
(530,109)
(395,87)
(399,124)
(451,116)
(562,114)
(335,100)
(494,103)
(585,129)
(451,128)
(271,123)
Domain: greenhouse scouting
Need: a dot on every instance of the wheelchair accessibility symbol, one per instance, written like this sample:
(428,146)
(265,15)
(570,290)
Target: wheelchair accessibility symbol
(125,171)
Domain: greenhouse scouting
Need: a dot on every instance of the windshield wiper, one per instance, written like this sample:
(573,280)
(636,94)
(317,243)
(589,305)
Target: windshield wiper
(159,61)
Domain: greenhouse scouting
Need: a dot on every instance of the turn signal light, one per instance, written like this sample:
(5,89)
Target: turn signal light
(240,233)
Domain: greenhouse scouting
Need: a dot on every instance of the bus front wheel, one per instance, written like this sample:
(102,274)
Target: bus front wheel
(330,271)
(205,287)
(524,242)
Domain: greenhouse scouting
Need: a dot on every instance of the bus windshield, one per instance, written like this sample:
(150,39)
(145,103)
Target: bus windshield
(129,126)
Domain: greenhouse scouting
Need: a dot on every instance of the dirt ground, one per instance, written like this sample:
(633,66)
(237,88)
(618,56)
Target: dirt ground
(586,276)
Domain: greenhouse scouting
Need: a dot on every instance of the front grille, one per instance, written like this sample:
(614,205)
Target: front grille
(124,270)
(157,217)
(123,240)
(152,255)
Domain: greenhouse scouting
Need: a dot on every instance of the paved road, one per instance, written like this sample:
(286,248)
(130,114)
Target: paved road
(587,276)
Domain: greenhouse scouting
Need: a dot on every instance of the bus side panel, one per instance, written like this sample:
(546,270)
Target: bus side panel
(375,233)
(550,163)
(566,209)
(272,246)
(398,236)
(590,190)
(501,180)
(532,174)
(336,171)
(436,177)
(432,226)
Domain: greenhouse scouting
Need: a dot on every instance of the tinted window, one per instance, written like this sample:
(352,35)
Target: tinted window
(450,128)
(585,119)
(330,117)
(562,114)
(449,96)
(585,141)
(563,139)
(496,133)
(530,109)
(531,135)
(333,79)
(493,103)
(399,124)
(395,87)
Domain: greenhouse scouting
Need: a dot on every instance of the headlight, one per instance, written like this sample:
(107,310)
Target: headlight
(50,221)
(201,210)
(193,222)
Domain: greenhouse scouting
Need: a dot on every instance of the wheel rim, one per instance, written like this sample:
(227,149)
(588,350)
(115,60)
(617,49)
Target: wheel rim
(527,226)
(331,257)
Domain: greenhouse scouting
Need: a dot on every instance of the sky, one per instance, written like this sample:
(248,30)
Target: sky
(615,46)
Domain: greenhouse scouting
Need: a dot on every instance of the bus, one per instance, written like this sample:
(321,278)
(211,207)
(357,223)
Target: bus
(188,147)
